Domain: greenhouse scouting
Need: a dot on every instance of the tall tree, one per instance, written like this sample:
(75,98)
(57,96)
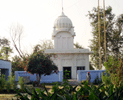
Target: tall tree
(117,37)
(112,27)
(5,48)
(16,32)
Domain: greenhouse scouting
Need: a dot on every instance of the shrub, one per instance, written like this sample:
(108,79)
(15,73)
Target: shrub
(2,82)
(84,81)
(68,92)
(21,82)
(97,81)
(114,67)
(13,82)
(106,79)
(8,84)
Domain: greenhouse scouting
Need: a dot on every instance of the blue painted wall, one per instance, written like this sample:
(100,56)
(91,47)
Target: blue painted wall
(81,75)
(44,79)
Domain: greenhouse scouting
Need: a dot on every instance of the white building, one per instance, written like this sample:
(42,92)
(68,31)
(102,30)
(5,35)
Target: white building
(64,54)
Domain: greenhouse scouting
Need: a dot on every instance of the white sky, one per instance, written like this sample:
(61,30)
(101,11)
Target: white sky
(38,16)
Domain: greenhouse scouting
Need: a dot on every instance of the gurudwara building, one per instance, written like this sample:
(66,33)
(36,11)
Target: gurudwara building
(65,56)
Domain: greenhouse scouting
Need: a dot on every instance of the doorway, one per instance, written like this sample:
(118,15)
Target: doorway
(67,72)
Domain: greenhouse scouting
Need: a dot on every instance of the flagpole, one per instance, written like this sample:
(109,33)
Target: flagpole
(99,36)
(104,28)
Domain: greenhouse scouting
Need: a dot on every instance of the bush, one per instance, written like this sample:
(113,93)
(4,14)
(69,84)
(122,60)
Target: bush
(8,84)
(13,82)
(21,82)
(106,79)
(84,81)
(97,81)
(114,67)
(2,82)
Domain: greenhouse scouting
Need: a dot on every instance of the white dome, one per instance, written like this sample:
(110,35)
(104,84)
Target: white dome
(63,22)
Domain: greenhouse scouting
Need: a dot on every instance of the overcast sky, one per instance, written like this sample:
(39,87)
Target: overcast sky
(38,16)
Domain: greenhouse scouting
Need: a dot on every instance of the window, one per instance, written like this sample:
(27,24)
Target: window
(81,68)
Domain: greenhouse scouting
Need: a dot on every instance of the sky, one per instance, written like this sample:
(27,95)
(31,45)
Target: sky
(38,16)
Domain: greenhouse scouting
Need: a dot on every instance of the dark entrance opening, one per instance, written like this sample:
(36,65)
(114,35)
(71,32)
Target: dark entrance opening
(67,72)
(4,72)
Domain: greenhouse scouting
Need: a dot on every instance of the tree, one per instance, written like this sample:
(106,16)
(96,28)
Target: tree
(117,37)
(113,32)
(16,32)
(18,63)
(40,64)
(5,48)
(78,46)
(43,45)
(6,51)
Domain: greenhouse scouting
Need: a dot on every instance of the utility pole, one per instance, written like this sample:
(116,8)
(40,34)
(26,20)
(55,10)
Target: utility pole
(104,28)
(99,36)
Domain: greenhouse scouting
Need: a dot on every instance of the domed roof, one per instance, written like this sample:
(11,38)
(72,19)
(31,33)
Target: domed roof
(63,22)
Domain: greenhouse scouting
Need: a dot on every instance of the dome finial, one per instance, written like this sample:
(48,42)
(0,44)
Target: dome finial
(62,6)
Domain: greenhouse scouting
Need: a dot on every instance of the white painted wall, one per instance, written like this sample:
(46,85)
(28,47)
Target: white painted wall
(71,60)
(63,40)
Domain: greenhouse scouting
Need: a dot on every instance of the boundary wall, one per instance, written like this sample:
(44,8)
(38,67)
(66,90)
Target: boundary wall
(81,74)
(44,79)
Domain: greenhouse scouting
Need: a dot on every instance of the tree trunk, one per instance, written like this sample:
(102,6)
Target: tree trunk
(38,76)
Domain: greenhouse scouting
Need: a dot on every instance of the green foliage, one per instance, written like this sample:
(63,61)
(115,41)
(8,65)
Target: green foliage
(80,92)
(84,81)
(21,82)
(41,64)
(106,79)
(66,74)
(90,66)
(19,64)
(2,82)
(113,35)
(13,82)
(5,48)
(78,46)
(114,67)
(9,84)
(44,44)
(97,81)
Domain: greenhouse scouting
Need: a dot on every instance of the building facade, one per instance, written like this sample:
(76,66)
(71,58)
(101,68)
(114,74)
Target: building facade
(64,55)
(5,68)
